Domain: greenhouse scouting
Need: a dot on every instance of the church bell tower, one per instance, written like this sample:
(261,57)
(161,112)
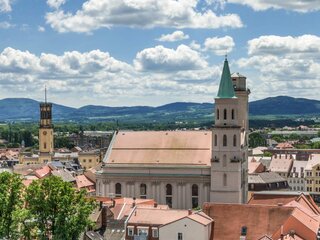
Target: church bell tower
(229,141)
(45,131)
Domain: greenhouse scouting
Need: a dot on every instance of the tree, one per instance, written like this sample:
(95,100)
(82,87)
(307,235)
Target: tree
(59,210)
(256,140)
(11,201)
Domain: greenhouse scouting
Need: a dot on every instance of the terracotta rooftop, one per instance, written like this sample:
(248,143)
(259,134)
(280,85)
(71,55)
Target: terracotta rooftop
(259,220)
(161,147)
(83,182)
(284,145)
(255,167)
(124,206)
(42,172)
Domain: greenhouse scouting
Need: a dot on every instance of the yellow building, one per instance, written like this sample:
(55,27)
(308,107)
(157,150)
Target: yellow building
(89,159)
(313,173)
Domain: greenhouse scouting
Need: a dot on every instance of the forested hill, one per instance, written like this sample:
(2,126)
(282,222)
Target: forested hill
(24,109)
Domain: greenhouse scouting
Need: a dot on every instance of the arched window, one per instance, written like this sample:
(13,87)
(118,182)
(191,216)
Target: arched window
(224,140)
(225,114)
(234,140)
(195,195)
(232,114)
(143,191)
(218,113)
(215,140)
(118,189)
(224,160)
(169,195)
(224,179)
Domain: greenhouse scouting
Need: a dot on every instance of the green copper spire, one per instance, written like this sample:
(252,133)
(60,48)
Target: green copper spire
(226,87)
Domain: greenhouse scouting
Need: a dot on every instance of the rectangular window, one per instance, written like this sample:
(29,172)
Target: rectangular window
(180,236)
(155,232)
(130,231)
(142,232)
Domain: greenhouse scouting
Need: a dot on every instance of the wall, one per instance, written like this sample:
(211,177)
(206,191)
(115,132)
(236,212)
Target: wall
(190,229)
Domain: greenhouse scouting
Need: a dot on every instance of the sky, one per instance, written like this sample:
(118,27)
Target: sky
(154,52)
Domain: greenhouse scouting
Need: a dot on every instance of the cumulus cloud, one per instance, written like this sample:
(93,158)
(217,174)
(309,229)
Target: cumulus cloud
(278,45)
(219,46)
(96,14)
(160,58)
(284,65)
(173,37)
(5,25)
(5,5)
(41,29)
(296,5)
(55,3)
(168,74)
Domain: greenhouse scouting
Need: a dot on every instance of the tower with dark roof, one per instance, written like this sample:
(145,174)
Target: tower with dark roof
(45,131)
(229,144)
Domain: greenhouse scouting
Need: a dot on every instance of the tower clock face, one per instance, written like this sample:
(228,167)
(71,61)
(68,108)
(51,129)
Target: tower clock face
(44,132)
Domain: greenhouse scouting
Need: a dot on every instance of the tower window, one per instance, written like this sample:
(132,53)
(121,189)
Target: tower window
(232,114)
(44,145)
(195,195)
(224,179)
(224,140)
(234,140)
(215,140)
(225,114)
(218,114)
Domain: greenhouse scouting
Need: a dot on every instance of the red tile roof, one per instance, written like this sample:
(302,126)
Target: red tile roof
(259,220)
(42,172)
(83,182)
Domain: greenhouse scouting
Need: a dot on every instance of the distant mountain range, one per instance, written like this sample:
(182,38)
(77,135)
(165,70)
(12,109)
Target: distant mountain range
(24,109)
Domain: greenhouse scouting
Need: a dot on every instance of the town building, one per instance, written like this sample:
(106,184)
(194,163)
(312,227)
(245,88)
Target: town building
(312,174)
(184,169)
(165,224)
(297,176)
(89,159)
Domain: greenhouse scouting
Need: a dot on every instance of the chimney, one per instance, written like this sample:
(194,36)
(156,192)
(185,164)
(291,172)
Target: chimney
(281,233)
(113,203)
(189,211)
(100,205)
(155,205)
(134,202)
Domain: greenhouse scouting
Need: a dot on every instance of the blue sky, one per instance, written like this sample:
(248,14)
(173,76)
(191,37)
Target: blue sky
(149,52)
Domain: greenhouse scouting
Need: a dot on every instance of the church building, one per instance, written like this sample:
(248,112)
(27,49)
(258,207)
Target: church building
(184,169)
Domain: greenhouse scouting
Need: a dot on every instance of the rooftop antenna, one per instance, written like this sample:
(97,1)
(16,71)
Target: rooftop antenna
(45,93)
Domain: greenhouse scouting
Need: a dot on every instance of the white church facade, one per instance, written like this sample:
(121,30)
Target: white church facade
(184,169)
